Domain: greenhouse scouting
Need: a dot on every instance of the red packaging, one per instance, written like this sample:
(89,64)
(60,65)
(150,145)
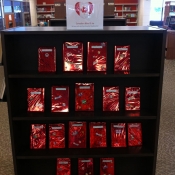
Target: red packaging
(56,135)
(97,56)
(77,134)
(97,134)
(118,135)
(122,59)
(107,166)
(73,56)
(111,98)
(85,166)
(35,99)
(84,96)
(134,134)
(38,136)
(63,166)
(60,99)
(47,59)
(132,98)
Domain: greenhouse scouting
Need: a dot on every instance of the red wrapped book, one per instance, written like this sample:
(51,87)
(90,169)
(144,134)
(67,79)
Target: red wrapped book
(47,59)
(97,56)
(38,136)
(122,59)
(118,135)
(111,98)
(56,135)
(63,166)
(85,166)
(35,99)
(132,98)
(97,134)
(107,166)
(84,97)
(77,134)
(60,99)
(73,56)
(134,134)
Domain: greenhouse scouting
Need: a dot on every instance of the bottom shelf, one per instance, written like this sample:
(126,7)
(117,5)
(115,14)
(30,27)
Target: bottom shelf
(123,166)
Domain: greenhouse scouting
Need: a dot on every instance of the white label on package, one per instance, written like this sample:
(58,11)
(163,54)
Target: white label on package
(46,50)
(97,47)
(57,127)
(120,49)
(35,93)
(97,126)
(60,89)
(84,87)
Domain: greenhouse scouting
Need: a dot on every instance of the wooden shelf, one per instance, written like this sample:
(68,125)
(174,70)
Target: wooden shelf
(147,62)
(45,11)
(94,153)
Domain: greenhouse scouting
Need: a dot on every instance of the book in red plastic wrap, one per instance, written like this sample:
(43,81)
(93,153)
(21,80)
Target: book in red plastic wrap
(63,166)
(107,166)
(134,134)
(73,56)
(47,59)
(111,98)
(77,134)
(38,136)
(97,134)
(97,56)
(56,136)
(122,59)
(132,98)
(35,99)
(60,99)
(85,166)
(84,97)
(118,135)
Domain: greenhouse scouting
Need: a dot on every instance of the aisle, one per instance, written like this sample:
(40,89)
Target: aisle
(166,148)
(6,163)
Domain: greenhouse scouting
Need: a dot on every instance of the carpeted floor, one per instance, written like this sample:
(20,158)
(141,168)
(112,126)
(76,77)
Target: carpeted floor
(166,147)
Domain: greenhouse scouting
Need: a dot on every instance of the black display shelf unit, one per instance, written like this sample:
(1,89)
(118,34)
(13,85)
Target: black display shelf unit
(106,22)
(20,46)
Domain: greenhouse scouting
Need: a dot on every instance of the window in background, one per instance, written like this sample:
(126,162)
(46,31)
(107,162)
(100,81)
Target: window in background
(156,10)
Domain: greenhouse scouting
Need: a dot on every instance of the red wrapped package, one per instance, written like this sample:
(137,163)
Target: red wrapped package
(134,134)
(56,135)
(111,98)
(107,166)
(38,136)
(84,97)
(60,99)
(85,166)
(77,134)
(35,99)
(118,135)
(63,166)
(73,56)
(122,59)
(97,56)
(47,59)
(132,98)
(97,134)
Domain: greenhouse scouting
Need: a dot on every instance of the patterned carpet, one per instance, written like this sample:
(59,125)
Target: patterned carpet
(166,148)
